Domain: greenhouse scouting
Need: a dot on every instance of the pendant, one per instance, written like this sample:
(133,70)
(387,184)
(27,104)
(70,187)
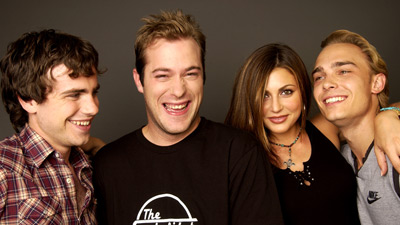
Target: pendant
(289,163)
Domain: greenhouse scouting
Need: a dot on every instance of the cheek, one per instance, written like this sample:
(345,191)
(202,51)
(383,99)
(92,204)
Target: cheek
(294,104)
(195,86)
(96,101)
(315,91)
(154,93)
(69,109)
(265,108)
(318,87)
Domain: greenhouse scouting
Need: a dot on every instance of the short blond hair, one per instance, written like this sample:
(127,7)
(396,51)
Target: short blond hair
(375,61)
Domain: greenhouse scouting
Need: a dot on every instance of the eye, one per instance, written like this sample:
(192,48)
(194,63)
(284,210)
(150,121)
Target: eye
(266,96)
(317,77)
(192,75)
(95,92)
(287,92)
(75,95)
(160,76)
(344,72)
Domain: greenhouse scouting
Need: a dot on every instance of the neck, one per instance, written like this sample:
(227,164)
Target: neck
(359,135)
(162,138)
(63,150)
(286,138)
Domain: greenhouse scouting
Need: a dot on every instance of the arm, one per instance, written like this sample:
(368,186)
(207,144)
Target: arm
(253,195)
(327,128)
(93,146)
(3,191)
(387,139)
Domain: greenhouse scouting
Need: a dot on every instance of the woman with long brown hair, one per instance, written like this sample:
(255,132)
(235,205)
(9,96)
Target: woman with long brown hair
(271,98)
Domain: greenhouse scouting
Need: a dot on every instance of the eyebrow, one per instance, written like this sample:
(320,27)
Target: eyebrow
(160,70)
(168,70)
(339,64)
(283,88)
(75,90)
(334,65)
(316,70)
(286,86)
(193,68)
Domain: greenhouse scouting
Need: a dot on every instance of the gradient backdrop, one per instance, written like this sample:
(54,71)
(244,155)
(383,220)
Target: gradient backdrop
(234,29)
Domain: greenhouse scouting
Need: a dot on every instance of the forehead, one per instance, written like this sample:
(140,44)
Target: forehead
(280,77)
(163,50)
(341,52)
(58,72)
(60,79)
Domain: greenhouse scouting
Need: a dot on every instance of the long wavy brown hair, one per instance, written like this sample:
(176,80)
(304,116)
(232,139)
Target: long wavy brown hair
(245,111)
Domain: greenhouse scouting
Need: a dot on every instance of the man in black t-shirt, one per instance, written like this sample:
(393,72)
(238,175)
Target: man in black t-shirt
(180,168)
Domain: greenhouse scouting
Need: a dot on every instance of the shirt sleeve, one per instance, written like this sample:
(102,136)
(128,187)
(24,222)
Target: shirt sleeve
(3,191)
(253,195)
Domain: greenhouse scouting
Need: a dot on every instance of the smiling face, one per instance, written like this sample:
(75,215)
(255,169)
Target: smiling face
(172,88)
(282,102)
(64,118)
(343,84)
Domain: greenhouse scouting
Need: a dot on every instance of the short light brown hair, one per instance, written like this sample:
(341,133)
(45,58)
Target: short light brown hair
(171,25)
(375,61)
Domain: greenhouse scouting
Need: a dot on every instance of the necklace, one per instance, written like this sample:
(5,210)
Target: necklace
(289,163)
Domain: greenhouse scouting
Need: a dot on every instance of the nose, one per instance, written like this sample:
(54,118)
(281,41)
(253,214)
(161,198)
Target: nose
(329,83)
(178,87)
(276,105)
(91,105)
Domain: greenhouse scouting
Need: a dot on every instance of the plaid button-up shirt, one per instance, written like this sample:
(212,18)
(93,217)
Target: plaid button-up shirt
(37,186)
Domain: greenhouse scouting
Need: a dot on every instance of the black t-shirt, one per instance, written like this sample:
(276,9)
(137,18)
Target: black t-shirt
(216,176)
(332,196)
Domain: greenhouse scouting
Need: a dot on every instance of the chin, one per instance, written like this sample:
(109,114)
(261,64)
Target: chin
(81,141)
(276,130)
(177,131)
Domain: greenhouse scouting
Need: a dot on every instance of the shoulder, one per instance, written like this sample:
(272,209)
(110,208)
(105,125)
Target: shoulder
(10,143)
(328,129)
(313,131)
(224,133)
(117,148)
(322,128)
(346,152)
(224,129)
(11,152)
(237,143)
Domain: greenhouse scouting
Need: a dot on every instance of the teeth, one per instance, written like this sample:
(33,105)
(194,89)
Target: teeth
(175,107)
(335,99)
(81,123)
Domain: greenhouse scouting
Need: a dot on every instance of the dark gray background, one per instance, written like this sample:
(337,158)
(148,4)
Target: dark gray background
(233,28)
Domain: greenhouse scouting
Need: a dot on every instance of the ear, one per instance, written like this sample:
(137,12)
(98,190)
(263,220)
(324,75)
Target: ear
(29,106)
(378,83)
(138,83)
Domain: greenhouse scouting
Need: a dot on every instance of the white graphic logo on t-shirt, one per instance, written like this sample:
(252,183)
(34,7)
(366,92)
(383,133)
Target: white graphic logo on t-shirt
(150,214)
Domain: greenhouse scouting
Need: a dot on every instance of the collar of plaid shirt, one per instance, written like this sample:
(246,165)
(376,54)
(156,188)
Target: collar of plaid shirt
(36,184)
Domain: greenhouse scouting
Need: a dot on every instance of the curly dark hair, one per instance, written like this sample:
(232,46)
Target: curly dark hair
(30,59)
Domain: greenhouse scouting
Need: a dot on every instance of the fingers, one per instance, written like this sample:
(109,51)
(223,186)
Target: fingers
(380,156)
(394,158)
